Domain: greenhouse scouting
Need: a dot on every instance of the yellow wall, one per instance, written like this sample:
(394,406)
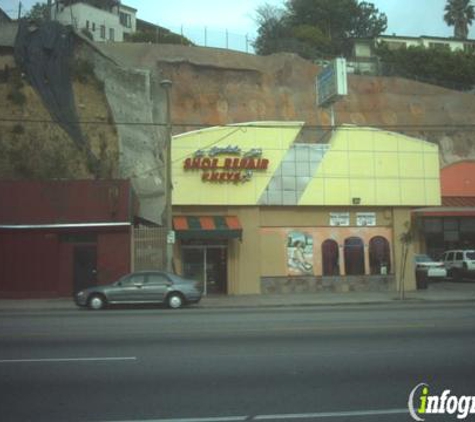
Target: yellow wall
(381,168)
(188,188)
(263,250)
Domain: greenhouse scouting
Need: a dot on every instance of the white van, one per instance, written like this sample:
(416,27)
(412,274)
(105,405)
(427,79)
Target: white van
(459,263)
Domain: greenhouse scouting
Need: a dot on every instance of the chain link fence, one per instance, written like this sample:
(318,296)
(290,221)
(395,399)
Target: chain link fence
(218,38)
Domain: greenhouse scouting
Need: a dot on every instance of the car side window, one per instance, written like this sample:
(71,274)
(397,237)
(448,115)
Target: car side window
(459,256)
(157,280)
(450,256)
(133,280)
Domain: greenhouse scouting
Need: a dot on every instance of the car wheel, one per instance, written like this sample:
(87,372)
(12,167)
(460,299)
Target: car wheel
(96,302)
(175,300)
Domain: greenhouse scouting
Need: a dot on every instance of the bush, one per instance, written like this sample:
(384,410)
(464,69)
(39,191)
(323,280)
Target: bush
(82,70)
(5,74)
(17,97)
(18,129)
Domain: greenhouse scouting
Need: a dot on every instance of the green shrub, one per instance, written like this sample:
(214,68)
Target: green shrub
(18,129)
(17,97)
(82,70)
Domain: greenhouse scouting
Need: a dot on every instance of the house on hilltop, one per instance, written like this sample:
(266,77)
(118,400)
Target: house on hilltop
(364,58)
(4,17)
(109,22)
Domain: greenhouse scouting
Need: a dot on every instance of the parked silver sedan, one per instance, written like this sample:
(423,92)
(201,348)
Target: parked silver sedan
(142,288)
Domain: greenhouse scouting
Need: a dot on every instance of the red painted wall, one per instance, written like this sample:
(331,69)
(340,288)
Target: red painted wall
(28,264)
(113,260)
(458,179)
(37,264)
(75,201)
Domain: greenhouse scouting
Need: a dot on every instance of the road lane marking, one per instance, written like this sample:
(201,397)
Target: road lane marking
(344,414)
(47,360)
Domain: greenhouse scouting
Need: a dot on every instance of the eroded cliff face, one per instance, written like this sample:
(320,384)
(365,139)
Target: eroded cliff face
(35,147)
(215,87)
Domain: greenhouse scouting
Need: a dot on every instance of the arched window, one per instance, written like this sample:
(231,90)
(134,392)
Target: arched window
(379,255)
(330,258)
(354,256)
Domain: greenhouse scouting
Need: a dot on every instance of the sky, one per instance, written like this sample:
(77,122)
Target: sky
(231,23)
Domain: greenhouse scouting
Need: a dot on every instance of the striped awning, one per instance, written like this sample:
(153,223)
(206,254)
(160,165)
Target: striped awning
(212,227)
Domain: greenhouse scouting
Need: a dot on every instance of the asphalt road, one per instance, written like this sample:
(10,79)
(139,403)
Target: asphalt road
(314,363)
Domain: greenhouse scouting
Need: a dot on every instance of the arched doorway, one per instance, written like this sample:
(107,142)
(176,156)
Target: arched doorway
(379,255)
(330,258)
(354,256)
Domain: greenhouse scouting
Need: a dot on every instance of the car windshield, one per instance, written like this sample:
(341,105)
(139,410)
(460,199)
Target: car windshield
(471,255)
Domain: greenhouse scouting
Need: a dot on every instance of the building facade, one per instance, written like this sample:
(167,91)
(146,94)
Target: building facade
(257,212)
(57,237)
(452,225)
(104,25)
(365,60)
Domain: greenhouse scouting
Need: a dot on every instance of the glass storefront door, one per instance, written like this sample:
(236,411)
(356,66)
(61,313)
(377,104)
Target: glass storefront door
(207,264)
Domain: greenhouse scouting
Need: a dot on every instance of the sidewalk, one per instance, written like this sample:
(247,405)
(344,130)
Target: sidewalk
(436,292)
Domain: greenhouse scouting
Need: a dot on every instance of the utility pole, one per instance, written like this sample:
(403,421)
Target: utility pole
(19,10)
(50,10)
(166,84)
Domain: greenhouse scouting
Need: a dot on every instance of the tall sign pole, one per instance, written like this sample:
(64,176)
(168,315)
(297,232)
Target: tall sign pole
(166,84)
(331,86)
(50,10)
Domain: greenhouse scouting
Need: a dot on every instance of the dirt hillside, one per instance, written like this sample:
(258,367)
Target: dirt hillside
(216,86)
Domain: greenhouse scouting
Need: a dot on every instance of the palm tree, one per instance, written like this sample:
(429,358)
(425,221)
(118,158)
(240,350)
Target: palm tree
(459,14)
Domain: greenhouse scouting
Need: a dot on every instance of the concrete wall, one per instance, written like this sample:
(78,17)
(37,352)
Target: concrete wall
(138,107)
(286,285)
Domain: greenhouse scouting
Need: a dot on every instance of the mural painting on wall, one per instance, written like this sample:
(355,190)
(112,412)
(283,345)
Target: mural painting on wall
(299,253)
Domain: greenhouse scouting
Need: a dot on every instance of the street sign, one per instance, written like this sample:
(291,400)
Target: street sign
(332,83)
(171,237)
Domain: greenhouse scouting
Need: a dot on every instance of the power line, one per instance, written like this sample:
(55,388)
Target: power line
(447,127)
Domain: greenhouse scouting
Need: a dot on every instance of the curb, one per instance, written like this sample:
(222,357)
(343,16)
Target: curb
(18,308)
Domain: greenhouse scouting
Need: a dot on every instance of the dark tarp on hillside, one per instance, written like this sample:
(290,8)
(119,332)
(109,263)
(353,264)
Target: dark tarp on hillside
(44,54)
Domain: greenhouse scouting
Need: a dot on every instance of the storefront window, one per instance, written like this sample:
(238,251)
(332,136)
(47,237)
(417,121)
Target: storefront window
(467,225)
(354,256)
(432,225)
(379,256)
(330,258)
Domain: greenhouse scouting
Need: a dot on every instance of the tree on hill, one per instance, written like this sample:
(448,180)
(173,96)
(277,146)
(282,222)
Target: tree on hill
(459,14)
(150,33)
(38,12)
(316,28)
(437,66)
(100,4)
